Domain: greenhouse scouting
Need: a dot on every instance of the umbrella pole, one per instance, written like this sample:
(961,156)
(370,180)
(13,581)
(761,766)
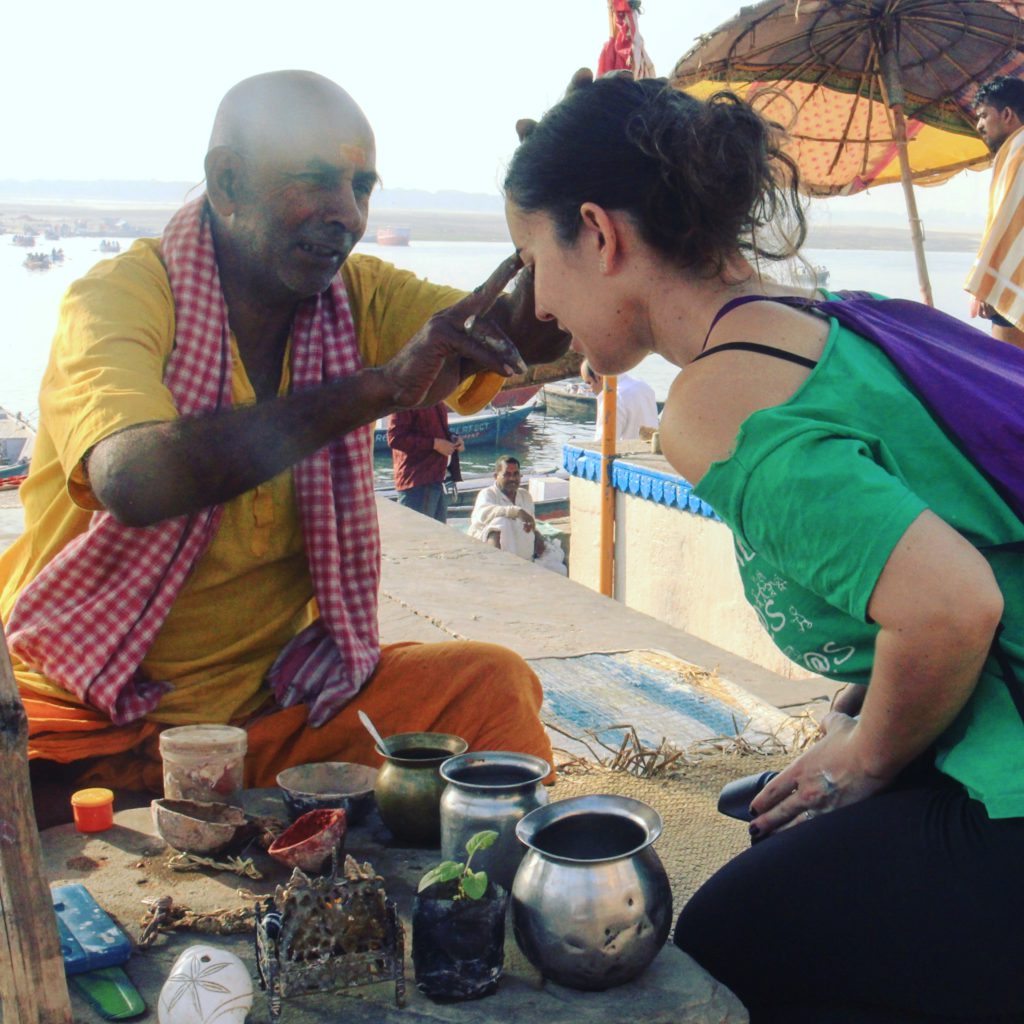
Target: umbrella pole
(892,86)
(916,229)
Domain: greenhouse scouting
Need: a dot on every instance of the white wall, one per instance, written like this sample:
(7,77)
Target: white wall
(675,566)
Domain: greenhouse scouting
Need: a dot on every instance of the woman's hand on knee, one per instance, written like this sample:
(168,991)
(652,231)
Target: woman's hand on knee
(826,777)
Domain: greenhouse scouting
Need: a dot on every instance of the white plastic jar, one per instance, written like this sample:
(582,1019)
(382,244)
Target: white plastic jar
(204,763)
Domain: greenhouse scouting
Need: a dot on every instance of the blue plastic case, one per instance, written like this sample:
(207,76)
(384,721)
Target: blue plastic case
(89,938)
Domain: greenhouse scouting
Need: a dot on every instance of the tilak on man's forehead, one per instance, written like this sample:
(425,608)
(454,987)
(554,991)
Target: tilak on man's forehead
(354,155)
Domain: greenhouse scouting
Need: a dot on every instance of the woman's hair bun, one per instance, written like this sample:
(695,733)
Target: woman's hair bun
(701,179)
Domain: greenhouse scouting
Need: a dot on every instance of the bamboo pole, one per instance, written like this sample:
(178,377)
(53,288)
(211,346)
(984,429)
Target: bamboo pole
(609,403)
(33,989)
(916,227)
(892,87)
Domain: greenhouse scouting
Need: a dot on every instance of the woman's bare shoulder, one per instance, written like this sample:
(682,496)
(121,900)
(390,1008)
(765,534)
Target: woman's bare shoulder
(712,397)
(696,428)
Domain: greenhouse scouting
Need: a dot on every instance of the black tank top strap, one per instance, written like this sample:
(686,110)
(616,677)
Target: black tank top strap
(742,300)
(753,346)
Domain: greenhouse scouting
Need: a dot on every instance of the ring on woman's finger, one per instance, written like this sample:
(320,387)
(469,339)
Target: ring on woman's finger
(470,323)
(809,814)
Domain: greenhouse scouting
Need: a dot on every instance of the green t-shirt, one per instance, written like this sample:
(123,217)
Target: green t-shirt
(817,493)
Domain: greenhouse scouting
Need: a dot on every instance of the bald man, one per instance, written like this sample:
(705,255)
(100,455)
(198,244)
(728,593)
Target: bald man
(201,541)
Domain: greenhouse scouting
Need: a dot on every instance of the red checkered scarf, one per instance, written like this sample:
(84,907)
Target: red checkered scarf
(88,619)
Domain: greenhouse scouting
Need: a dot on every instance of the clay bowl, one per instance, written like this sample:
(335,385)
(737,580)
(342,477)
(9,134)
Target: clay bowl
(331,784)
(311,840)
(195,827)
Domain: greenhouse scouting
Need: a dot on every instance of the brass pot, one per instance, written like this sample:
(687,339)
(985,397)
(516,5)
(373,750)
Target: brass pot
(409,786)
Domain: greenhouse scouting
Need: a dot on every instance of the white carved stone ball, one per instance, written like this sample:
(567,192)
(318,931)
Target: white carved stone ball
(206,986)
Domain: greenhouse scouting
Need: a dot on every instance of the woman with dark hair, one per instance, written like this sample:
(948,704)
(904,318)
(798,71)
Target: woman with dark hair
(886,877)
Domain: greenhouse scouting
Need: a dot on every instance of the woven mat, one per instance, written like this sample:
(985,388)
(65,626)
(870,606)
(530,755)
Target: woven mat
(659,695)
(696,839)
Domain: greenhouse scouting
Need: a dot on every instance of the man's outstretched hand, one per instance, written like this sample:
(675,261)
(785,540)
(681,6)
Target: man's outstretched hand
(463,339)
(453,344)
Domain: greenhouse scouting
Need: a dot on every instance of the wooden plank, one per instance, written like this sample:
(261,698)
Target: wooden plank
(33,989)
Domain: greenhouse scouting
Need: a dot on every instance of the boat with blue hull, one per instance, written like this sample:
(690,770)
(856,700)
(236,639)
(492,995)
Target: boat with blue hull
(17,437)
(12,475)
(481,429)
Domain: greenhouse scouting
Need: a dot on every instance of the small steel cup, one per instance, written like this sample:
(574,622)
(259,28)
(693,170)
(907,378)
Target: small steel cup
(490,789)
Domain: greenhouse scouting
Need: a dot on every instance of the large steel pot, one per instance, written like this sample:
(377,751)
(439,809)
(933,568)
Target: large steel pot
(409,785)
(591,903)
(490,789)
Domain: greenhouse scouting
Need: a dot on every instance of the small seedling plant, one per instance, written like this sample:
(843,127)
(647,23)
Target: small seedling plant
(471,885)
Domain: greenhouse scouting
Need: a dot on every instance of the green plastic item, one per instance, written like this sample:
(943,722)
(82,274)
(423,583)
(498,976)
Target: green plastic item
(110,992)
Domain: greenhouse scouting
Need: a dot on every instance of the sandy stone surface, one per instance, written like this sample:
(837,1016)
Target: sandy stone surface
(128,865)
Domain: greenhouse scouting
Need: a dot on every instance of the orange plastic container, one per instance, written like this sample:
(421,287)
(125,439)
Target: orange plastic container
(93,809)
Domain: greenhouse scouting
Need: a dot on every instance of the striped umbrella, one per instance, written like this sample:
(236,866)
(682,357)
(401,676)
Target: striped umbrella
(869,91)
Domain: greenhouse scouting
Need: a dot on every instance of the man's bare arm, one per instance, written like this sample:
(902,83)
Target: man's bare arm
(156,471)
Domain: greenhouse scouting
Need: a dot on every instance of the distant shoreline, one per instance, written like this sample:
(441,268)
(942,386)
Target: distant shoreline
(427,226)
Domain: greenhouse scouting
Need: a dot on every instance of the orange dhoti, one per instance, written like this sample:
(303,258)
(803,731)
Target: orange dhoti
(482,692)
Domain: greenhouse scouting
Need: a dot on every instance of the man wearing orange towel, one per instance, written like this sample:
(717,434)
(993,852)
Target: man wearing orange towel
(996,280)
(201,541)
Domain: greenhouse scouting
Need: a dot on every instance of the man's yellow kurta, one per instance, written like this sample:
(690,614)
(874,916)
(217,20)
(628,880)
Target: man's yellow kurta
(251,591)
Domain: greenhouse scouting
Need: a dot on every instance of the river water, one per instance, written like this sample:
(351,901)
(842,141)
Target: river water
(28,316)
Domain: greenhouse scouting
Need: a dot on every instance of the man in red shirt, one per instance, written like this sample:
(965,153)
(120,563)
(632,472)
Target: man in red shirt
(424,451)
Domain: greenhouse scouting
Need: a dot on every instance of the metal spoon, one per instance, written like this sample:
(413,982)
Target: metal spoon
(372,730)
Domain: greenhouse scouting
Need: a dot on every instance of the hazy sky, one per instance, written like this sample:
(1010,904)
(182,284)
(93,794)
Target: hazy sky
(127,89)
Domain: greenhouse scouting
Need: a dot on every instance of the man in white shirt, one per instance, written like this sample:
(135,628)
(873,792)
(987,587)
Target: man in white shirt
(503,517)
(635,405)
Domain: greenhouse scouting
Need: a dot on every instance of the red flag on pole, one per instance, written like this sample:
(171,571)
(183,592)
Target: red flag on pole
(624,51)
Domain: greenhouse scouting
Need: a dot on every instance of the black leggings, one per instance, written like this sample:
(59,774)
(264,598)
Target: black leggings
(903,908)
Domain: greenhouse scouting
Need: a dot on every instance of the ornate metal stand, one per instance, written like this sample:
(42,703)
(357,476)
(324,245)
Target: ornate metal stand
(322,934)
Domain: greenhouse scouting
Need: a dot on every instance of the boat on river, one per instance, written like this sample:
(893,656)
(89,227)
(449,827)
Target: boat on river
(484,428)
(549,489)
(37,261)
(17,439)
(515,396)
(393,236)
(110,246)
(814,277)
(573,398)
